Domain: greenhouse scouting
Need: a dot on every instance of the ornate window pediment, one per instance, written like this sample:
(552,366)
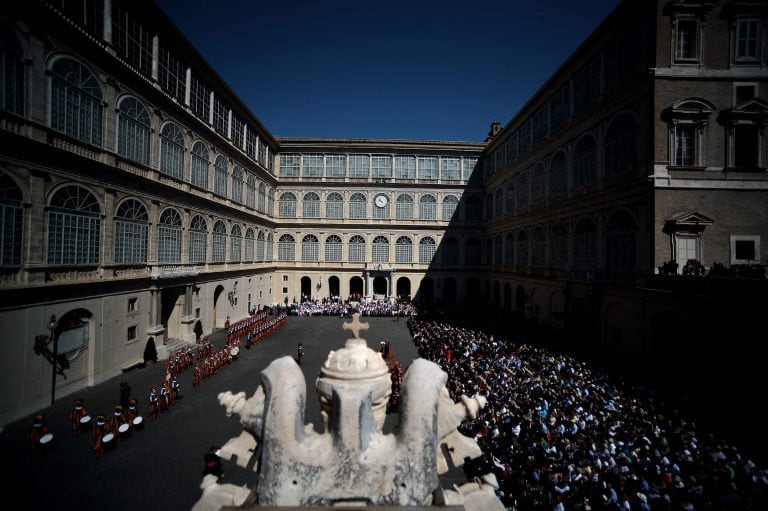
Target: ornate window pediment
(687,221)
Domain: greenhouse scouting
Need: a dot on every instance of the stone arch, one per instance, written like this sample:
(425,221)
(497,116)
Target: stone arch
(219,309)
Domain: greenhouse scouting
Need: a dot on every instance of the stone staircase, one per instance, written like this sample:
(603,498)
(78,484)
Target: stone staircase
(170,346)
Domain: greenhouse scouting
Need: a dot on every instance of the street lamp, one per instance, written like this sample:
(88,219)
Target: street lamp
(41,348)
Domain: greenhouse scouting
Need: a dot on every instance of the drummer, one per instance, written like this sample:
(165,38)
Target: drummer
(38,429)
(132,411)
(100,428)
(78,413)
(118,419)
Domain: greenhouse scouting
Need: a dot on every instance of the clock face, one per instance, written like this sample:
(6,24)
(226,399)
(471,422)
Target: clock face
(380,201)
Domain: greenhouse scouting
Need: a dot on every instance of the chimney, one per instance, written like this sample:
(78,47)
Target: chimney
(495,129)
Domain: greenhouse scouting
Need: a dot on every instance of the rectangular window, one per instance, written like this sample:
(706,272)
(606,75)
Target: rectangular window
(171,73)
(250,142)
(687,249)
(220,116)
(197,312)
(335,165)
(405,167)
(356,252)
(743,92)
(359,166)
(686,40)
(381,167)
(559,108)
(747,39)
(540,124)
(312,165)
(685,146)
(469,165)
(428,167)
(745,249)
(746,146)
(285,278)
(285,290)
(131,336)
(586,85)
(290,165)
(238,130)
(525,137)
(133,305)
(200,97)
(450,169)
(132,41)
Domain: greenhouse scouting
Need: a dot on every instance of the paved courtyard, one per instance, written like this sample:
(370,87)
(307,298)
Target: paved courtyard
(160,467)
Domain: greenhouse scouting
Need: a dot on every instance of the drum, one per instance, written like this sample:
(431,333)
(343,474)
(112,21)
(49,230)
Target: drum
(138,423)
(109,441)
(124,430)
(234,353)
(46,442)
(85,422)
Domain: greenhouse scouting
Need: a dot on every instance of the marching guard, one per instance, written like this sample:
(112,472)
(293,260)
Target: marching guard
(78,412)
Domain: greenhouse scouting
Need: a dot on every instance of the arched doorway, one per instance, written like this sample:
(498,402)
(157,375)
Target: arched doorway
(404,288)
(473,291)
(507,297)
(380,286)
(219,311)
(496,294)
(449,290)
(426,290)
(520,299)
(306,289)
(355,288)
(172,310)
(334,286)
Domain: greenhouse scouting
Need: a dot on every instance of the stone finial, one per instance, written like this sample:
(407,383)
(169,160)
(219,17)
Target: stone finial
(355,326)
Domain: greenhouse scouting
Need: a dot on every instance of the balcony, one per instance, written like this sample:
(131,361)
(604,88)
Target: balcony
(174,270)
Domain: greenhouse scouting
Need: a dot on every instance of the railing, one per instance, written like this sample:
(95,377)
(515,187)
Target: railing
(177,270)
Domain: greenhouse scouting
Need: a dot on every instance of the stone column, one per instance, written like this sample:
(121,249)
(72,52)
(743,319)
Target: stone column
(155,328)
(188,319)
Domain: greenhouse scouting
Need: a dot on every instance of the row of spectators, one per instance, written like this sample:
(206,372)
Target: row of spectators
(560,435)
(346,309)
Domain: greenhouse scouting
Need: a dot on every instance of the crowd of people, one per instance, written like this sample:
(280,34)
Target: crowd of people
(345,308)
(560,435)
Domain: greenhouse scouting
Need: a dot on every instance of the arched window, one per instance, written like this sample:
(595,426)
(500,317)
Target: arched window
(380,248)
(332,249)
(131,231)
(287,205)
(489,209)
(539,241)
(260,246)
(427,248)
(450,207)
(473,251)
(509,249)
(558,246)
(450,251)
(538,178)
(271,202)
(557,174)
(620,242)
(76,102)
(498,250)
(473,209)
(12,71)
(584,162)
(427,207)
(404,206)
(404,250)
(237,184)
(199,165)
(236,245)
(489,251)
(133,130)
(220,175)
(523,190)
(286,248)
(509,203)
(311,205)
(74,227)
(219,242)
(334,205)
(262,205)
(12,224)
(522,251)
(357,205)
(499,202)
(169,237)
(585,244)
(269,248)
(356,249)
(172,151)
(198,240)
(309,248)
(621,145)
(248,257)
(250,191)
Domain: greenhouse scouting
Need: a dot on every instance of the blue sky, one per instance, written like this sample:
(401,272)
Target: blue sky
(421,70)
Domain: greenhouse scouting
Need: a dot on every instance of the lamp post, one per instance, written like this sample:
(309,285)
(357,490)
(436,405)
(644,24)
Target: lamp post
(52,324)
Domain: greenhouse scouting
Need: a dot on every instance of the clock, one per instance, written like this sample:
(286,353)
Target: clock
(381,201)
